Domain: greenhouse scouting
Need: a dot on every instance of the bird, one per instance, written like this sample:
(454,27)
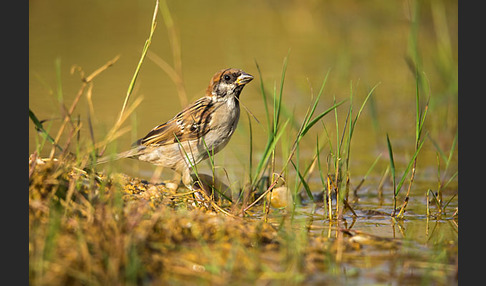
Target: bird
(200,129)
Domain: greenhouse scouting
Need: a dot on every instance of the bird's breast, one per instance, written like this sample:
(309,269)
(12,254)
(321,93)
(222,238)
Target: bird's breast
(223,124)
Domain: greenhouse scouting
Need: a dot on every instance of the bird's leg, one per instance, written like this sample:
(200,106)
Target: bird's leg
(190,184)
(199,189)
(186,178)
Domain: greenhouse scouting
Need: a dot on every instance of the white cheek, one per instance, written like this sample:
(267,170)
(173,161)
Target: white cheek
(226,87)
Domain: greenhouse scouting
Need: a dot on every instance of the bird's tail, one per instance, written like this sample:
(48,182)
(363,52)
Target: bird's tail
(113,157)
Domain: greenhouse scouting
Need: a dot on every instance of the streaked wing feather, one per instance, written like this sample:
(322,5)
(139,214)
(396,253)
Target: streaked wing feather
(191,123)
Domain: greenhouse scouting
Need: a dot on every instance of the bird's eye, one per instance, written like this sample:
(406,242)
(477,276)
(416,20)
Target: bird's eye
(227,77)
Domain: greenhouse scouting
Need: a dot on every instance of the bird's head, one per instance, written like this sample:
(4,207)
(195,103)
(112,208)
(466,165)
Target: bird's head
(228,82)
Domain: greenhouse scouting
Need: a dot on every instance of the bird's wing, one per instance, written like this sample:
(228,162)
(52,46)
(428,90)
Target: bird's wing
(191,123)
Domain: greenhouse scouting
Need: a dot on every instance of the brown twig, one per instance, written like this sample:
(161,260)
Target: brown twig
(67,115)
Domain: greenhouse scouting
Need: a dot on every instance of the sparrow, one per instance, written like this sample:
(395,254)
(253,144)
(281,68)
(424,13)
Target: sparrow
(201,129)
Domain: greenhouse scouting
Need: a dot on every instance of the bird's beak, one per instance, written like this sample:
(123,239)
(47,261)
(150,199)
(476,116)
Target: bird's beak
(244,78)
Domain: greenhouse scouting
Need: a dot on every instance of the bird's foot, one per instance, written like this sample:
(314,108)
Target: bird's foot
(200,196)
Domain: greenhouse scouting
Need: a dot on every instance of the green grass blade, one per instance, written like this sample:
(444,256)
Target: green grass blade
(250,161)
(142,57)
(437,147)
(315,120)
(372,166)
(264,95)
(392,163)
(318,152)
(304,183)
(277,108)
(451,151)
(59,81)
(268,151)
(363,105)
(409,166)
(314,106)
(43,132)
(450,179)
(449,201)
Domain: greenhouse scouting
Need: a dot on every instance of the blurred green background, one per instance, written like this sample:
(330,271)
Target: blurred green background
(360,43)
